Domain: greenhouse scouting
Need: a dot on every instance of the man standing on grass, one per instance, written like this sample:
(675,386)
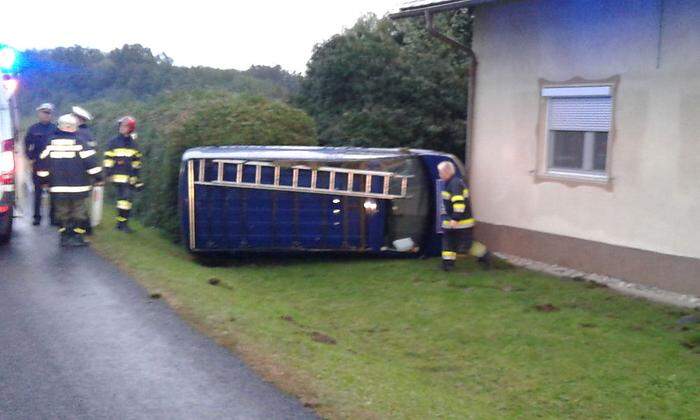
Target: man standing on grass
(69,167)
(123,163)
(458,223)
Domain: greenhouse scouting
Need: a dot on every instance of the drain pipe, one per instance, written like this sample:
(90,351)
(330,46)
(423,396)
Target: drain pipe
(471,84)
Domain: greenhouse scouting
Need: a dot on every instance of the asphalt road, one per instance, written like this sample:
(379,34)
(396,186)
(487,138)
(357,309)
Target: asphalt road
(79,339)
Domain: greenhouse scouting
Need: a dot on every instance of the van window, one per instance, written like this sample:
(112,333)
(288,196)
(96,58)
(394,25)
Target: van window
(408,217)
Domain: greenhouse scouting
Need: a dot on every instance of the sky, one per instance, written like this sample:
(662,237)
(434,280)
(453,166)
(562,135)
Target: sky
(222,34)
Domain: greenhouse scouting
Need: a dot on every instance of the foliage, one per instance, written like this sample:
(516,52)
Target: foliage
(277,75)
(171,123)
(379,83)
(66,76)
(389,84)
(414,342)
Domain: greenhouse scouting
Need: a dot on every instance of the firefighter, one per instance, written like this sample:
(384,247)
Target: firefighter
(84,132)
(458,222)
(123,163)
(34,144)
(70,168)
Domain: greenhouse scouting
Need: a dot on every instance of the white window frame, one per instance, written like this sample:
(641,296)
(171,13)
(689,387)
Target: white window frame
(587,173)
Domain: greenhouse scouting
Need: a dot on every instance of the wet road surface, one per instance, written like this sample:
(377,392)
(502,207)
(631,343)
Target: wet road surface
(79,339)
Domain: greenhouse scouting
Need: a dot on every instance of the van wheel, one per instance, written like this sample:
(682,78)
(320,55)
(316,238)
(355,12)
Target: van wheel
(5,227)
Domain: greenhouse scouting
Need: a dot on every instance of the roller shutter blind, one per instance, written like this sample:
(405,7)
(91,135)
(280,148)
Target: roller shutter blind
(580,113)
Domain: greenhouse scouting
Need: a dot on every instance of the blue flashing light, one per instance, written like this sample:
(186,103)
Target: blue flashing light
(8,56)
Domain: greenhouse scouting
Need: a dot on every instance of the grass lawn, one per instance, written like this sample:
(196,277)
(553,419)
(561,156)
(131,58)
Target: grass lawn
(378,338)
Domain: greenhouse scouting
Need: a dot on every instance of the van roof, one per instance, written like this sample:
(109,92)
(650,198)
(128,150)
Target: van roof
(301,153)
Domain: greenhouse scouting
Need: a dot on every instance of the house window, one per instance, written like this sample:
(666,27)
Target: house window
(578,128)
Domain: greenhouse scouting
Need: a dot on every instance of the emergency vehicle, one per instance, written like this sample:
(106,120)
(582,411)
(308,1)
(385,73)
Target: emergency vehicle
(291,198)
(8,136)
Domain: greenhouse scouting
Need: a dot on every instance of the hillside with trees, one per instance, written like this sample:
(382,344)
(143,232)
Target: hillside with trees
(379,83)
(66,76)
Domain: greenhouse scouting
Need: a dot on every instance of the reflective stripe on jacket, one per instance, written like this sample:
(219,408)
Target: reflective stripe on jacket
(455,199)
(68,165)
(123,160)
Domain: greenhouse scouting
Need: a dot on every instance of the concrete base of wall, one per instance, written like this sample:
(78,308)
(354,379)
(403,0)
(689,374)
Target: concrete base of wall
(668,272)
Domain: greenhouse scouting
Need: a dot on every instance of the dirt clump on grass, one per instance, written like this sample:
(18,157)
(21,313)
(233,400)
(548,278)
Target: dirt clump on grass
(155,295)
(311,403)
(214,281)
(692,343)
(547,307)
(322,338)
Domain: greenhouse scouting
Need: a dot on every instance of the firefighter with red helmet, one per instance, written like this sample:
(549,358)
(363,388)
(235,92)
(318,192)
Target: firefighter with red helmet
(122,161)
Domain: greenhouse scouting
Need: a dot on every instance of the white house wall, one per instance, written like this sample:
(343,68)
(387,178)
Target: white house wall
(654,200)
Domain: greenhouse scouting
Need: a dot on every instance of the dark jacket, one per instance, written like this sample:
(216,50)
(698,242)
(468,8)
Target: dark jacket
(68,166)
(86,136)
(455,199)
(123,160)
(36,139)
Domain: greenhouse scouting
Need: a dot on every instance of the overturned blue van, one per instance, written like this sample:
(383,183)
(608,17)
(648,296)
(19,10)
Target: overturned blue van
(291,198)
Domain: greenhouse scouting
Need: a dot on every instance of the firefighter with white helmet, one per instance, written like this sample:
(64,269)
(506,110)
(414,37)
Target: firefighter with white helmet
(123,164)
(70,168)
(35,142)
(84,132)
(457,220)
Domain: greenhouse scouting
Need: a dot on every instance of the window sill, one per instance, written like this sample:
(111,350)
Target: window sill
(576,178)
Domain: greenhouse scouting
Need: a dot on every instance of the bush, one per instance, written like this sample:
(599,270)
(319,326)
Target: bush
(173,123)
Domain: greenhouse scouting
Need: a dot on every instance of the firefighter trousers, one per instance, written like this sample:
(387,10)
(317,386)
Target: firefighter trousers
(71,214)
(125,194)
(38,193)
(455,240)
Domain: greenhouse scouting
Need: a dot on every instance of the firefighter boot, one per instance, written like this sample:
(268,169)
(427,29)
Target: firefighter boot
(124,227)
(77,240)
(485,261)
(448,265)
(65,237)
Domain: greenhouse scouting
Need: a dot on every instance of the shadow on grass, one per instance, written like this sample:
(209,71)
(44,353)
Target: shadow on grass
(287,258)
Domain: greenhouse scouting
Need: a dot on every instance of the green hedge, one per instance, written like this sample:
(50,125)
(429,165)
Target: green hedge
(173,123)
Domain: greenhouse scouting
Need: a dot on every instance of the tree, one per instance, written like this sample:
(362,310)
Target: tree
(385,84)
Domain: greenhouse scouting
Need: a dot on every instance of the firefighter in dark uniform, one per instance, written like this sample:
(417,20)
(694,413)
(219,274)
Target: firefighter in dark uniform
(123,163)
(70,168)
(84,132)
(458,223)
(35,143)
